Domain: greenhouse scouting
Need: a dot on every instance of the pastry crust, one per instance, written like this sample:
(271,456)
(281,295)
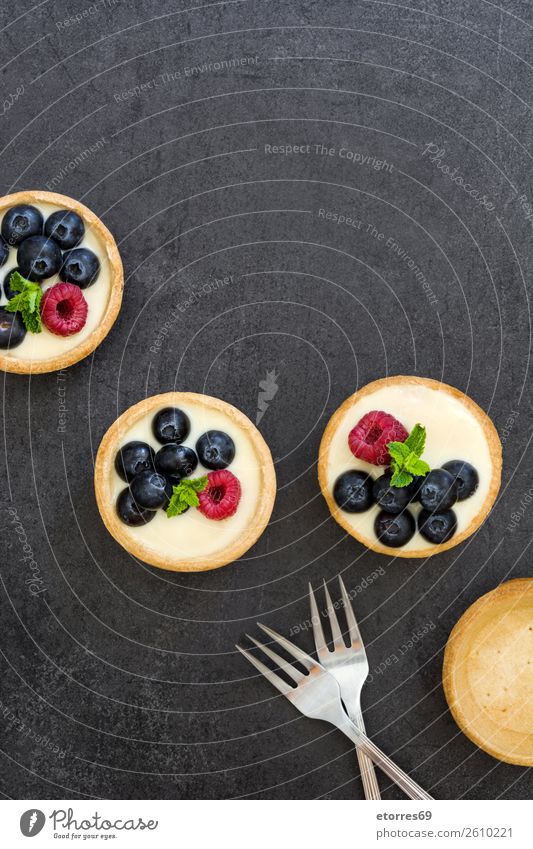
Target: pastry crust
(74,355)
(104,468)
(504,743)
(492,438)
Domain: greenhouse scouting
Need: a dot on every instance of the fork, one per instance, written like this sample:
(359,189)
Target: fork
(317,695)
(349,667)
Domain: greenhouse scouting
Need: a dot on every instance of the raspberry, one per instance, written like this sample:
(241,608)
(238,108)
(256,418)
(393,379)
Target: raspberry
(64,309)
(368,439)
(221,496)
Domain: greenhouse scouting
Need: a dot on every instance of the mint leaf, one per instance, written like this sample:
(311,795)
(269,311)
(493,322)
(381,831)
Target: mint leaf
(27,302)
(32,301)
(418,468)
(198,484)
(401,478)
(17,282)
(409,460)
(185,495)
(188,496)
(405,457)
(398,451)
(416,440)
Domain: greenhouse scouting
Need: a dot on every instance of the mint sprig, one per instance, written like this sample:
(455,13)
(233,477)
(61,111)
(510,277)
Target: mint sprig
(405,457)
(27,302)
(185,494)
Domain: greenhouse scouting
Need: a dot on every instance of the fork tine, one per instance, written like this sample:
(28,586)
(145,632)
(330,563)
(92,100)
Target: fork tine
(274,679)
(283,664)
(318,631)
(353,627)
(333,621)
(297,653)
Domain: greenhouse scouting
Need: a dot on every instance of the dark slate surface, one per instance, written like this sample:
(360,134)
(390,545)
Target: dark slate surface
(129,671)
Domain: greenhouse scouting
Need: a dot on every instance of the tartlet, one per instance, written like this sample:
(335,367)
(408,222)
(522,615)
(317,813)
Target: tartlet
(457,428)
(190,542)
(104,297)
(488,672)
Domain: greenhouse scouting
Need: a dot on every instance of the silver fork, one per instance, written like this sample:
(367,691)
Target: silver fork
(318,696)
(349,667)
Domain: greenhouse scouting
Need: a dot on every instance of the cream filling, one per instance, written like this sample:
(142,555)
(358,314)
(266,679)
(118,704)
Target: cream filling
(192,535)
(453,433)
(500,671)
(44,345)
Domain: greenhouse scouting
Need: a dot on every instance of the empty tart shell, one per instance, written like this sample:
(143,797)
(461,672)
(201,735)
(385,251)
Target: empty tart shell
(104,475)
(108,245)
(335,440)
(488,672)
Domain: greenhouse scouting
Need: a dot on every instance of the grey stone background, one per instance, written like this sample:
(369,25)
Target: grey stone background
(128,672)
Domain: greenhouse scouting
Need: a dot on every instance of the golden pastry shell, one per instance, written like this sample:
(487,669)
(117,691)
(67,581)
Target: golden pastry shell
(507,596)
(87,346)
(104,469)
(489,431)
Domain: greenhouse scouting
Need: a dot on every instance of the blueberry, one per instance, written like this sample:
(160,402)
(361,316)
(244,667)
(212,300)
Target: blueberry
(150,490)
(353,491)
(81,267)
(8,291)
(465,476)
(171,425)
(129,512)
(394,529)
(12,330)
(38,258)
(438,490)
(215,449)
(4,251)
(437,527)
(21,222)
(392,499)
(132,458)
(414,487)
(175,462)
(66,228)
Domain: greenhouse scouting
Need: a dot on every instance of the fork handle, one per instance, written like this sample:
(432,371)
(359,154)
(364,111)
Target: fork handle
(410,787)
(366,765)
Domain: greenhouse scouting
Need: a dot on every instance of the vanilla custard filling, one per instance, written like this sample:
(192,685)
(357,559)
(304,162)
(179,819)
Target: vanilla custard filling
(453,433)
(44,345)
(193,535)
(499,670)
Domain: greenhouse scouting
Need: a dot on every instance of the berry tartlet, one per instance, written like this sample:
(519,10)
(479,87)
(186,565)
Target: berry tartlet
(185,482)
(61,282)
(410,466)
(488,672)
